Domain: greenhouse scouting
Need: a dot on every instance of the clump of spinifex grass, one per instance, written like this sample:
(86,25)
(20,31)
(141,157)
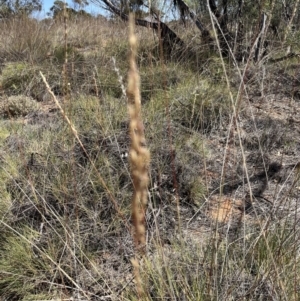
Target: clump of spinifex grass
(139,155)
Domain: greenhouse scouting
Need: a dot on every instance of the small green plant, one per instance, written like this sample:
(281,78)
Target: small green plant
(197,191)
(72,53)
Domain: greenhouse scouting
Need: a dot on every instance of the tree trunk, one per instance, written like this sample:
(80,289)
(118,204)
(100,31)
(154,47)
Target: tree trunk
(224,36)
(239,33)
(259,48)
(185,10)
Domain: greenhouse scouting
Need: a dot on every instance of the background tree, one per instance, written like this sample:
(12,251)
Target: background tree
(9,8)
(80,3)
(57,10)
(243,26)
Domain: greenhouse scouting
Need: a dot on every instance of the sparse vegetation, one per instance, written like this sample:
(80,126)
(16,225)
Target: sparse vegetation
(223,133)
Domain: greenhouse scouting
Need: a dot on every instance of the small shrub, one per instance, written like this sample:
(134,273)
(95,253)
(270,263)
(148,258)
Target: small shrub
(201,105)
(118,49)
(73,55)
(22,78)
(16,106)
(21,266)
(155,79)
(15,76)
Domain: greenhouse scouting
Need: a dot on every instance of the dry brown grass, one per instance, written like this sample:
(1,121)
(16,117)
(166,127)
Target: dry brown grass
(24,39)
(139,156)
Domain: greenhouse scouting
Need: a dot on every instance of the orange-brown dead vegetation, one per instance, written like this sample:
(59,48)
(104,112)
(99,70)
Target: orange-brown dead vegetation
(223,209)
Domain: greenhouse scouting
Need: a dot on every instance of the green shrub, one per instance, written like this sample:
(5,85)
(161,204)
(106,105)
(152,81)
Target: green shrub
(73,55)
(118,49)
(201,105)
(157,79)
(22,78)
(15,77)
(20,266)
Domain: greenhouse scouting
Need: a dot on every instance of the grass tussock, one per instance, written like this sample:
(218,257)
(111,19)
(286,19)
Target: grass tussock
(76,170)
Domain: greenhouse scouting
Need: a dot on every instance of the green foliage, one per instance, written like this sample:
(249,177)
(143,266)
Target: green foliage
(118,49)
(15,77)
(155,79)
(20,266)
(72,54)
(109,83)
(293,41)
(89,113)
(201,105)
(22,78)
(175,274)
(197,191)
